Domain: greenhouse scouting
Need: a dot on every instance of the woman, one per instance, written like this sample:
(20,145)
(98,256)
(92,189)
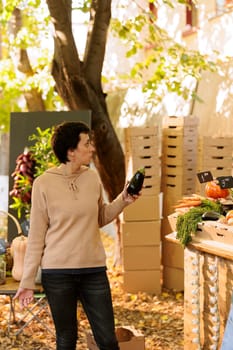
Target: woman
(64,239)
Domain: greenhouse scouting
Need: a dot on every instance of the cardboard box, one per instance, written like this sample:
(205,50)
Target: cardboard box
(173,278)
(172,254)
(141,257)
(165,228)
(128,338)
(148,281)
(172,219)
(146,208)
(141,233)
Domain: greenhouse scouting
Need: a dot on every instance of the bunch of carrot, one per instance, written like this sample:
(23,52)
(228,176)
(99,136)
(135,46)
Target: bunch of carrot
(186,202)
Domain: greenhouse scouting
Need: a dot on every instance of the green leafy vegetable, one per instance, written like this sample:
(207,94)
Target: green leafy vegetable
(187,223)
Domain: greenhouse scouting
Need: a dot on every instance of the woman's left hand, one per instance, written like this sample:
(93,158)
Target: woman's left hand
(25,296)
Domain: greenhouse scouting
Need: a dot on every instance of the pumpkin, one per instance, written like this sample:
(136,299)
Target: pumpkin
(213,190)
(229,217)
(18,249)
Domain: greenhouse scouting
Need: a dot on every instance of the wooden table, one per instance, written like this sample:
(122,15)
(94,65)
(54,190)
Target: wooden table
(208,286)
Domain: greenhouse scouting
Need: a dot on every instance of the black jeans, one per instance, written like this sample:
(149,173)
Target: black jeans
(63,292)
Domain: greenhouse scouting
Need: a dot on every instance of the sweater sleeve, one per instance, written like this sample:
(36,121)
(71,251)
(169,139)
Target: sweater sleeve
(36,238)
(109,211)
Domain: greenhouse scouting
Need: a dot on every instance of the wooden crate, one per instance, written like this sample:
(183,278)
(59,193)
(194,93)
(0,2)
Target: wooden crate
(178,139)
(219,234)
(177,170)
(152,164)
(141,132)
(215,153)
(185,161)
(142,150)
(178,152)
(179,136)
(143,141)
(176,121)
(178,183)
(151,185)
(212,162)
(216,144)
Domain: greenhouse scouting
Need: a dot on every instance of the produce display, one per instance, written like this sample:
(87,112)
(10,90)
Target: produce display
(217,205)
(18,249)
(23,177)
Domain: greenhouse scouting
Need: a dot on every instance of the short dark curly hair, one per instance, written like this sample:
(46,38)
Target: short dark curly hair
(66,136)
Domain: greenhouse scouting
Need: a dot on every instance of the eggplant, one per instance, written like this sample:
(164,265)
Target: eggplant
(136,182)
(211,215)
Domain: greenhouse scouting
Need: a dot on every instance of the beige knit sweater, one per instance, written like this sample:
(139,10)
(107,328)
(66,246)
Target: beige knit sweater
(66,213)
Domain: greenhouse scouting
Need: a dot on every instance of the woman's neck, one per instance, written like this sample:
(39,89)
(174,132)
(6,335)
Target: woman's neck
(72,168)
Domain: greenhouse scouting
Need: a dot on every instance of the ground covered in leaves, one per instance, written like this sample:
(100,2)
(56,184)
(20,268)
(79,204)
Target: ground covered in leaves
(158,317)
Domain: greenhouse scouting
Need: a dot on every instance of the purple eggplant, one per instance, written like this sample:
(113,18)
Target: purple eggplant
(136,183)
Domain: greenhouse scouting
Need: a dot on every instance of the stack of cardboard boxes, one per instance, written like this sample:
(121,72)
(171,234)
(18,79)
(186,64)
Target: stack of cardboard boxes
(214,155)
(179,162)
(141,220)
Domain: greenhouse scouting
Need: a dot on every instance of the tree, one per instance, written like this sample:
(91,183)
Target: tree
(79,84)
(79,81)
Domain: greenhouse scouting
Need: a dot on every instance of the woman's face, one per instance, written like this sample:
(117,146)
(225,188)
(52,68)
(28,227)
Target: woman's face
(84,150)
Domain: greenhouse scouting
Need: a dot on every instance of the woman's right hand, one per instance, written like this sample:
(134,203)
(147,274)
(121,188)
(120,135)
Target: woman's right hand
(25,296)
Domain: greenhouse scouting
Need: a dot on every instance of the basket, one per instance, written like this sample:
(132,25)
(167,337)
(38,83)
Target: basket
(18,226)
(8,256)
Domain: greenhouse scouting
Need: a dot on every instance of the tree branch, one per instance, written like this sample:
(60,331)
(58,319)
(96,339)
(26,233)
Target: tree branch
(96,42)
(66,53)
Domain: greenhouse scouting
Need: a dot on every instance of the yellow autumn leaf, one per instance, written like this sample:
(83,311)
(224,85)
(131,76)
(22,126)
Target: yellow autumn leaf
(164,317)
(179,296)
(165,295)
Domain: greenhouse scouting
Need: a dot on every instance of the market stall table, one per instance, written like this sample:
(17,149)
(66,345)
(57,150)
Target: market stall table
(208,286)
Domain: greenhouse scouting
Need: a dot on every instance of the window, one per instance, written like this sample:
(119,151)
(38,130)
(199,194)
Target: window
(191,18)
(191,15)
(153,10)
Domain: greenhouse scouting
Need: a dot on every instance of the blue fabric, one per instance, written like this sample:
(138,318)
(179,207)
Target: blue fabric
(93,291)
(227,343)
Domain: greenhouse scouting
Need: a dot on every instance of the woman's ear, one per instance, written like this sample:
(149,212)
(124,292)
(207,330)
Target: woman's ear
(70,154)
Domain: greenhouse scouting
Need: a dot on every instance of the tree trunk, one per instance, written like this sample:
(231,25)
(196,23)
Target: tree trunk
(79,84)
